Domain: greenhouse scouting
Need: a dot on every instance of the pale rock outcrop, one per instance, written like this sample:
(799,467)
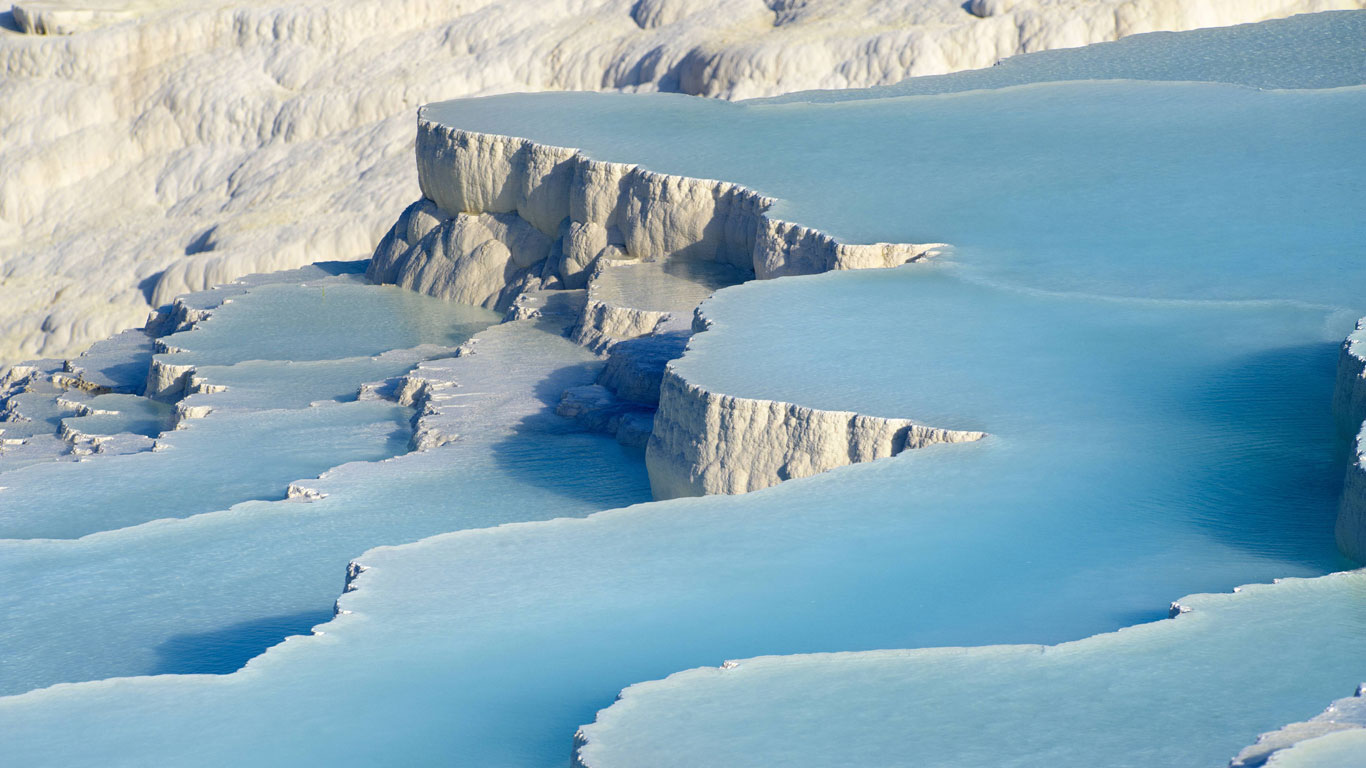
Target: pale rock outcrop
(704,442)
(784,248)
(1349,406)
(1351,523)
(30,407)
(1349,396)
(559,302)
(486,259)
(637,299)
(117,364)
(699,219)
(168,381)
(584,243)
(603,325)
(59,17)
(482,191)
(610,316)
(983,9)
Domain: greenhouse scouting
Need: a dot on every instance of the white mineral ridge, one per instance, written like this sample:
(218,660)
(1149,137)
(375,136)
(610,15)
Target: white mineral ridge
(705,442)
(162,147)
(1349,405)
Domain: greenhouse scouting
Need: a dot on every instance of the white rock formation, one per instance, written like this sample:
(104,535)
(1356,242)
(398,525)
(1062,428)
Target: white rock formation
(486,259)
(704,442)
(1349,406)
(482,191)
(1351,524)
(1349,397)
(166,147)
(497,211)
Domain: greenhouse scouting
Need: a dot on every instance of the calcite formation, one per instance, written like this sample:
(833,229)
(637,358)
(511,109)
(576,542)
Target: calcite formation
(1349,406)
(503,217)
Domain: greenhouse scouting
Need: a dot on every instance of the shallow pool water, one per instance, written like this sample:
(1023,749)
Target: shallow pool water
(112,414)
(206,588)
(242,454)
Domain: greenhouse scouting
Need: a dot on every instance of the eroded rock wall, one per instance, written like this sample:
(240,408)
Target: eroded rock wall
(704,442)
(1349,406)
(486,197)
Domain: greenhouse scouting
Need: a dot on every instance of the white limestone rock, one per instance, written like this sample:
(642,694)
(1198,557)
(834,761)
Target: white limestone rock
(168,381)
(1349,406)
(683,238)
(458,241)
(567,304)
(604,324)
(117,364)
(482,259)
(704,442)
(985,9)
(1349,396)
(584,243)
(585,206)
(1351,523)
(783,248)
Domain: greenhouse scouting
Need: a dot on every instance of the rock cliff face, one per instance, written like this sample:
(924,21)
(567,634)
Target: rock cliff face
(1349,398)
(486,260)
(504,217)
(596,209)
(705,442)
(1349,405)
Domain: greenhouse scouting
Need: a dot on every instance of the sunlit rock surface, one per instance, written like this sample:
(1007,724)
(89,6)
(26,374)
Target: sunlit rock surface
(1349,406)
(164,147)
(1155,384)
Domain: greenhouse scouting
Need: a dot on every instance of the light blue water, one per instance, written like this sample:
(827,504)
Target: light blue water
(1169,693)
(1172,190)
(1319,50)
(113,414)
(1157,419)
(336,318)
(250,454)
(206,593)
(1152,354)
